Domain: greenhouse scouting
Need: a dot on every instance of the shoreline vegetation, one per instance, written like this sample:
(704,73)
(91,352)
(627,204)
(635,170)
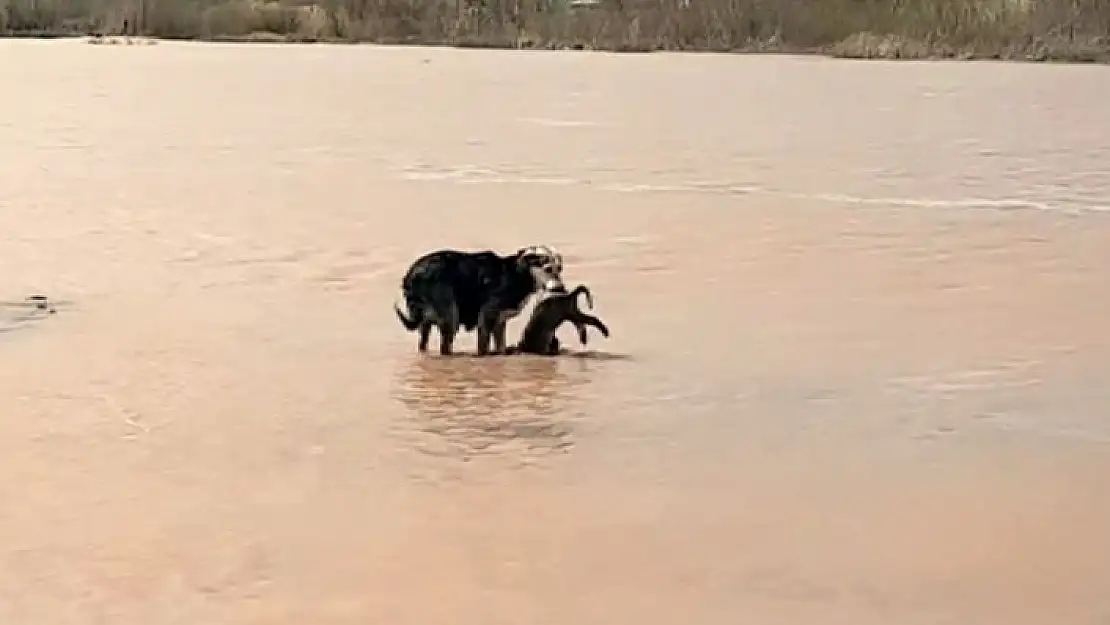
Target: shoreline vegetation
(1026,30)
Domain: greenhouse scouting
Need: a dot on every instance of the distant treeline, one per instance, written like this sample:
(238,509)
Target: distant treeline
(1075,30)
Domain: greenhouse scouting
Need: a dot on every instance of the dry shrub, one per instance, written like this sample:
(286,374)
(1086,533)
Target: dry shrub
(244,18)
(232,19)
(871,46)
(313,22)
(171,19)
(31,15)
(1034,29)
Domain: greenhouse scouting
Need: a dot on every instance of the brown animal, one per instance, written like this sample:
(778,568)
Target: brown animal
(553,310)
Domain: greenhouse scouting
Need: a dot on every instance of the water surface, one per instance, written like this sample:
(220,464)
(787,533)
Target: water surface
(859,370)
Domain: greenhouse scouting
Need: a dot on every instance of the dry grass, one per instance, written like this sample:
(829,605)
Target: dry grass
(1071,30)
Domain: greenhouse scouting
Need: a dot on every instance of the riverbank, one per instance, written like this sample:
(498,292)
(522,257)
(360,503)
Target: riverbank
(1022,30)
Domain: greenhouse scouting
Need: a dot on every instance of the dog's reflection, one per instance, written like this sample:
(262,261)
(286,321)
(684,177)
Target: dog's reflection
(465,407)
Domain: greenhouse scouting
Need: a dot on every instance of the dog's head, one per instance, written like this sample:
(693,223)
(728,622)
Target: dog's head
(545,265)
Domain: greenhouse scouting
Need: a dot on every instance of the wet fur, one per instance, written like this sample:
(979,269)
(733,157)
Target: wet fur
(453,290)
(552,311)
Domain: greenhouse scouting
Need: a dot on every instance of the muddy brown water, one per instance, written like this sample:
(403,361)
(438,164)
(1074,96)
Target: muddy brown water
(859,371)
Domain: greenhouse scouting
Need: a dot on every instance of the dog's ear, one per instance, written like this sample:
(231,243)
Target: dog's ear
(523,257)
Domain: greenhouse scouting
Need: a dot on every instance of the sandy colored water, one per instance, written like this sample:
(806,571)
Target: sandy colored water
(860,370)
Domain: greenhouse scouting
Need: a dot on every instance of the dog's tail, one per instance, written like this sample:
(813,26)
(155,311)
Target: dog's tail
(581,289)
(411,321)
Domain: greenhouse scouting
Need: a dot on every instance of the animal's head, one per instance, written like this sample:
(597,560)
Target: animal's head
(545,265)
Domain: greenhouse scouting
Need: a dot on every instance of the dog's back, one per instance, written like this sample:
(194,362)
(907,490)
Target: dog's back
(469,277)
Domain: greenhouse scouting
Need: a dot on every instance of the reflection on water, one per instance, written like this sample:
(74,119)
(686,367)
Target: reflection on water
(517,408)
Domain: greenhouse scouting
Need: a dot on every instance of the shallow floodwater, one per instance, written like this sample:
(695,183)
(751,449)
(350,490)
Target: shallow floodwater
(859,371)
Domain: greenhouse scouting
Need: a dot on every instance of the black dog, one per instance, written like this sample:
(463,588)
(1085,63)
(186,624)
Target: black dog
(474,290)
(552,311)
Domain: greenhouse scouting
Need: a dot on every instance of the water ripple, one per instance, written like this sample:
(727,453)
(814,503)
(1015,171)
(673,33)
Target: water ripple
(1068,200)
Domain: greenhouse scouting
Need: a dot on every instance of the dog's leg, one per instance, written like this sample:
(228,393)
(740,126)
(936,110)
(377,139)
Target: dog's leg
(448,328)
(425,334)
(483,338)
(499,336)
(487,325)
(445,316)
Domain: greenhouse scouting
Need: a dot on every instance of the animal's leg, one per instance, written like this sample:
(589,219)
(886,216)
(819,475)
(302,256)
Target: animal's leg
(487,324)
(578,318)
(553,346)
(581,320)
(448,328)
(483,339)
(583,336)
(582,289)
(425,334)
(499,337)
(446,317)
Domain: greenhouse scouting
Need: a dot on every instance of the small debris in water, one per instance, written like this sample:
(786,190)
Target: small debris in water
(42,303)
